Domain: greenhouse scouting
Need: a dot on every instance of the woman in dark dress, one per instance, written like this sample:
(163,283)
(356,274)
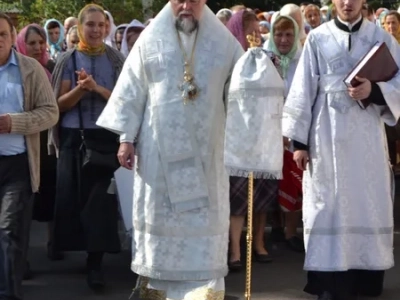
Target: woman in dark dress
(86,216)
(242,24)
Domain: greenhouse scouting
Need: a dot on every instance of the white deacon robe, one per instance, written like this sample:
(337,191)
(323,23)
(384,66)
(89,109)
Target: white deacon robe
(347,204)
(181,188)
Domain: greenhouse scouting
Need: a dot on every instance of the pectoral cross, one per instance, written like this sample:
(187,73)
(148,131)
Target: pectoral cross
(188,87)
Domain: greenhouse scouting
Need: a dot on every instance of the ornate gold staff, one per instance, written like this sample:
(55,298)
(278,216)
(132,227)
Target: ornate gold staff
(254,42)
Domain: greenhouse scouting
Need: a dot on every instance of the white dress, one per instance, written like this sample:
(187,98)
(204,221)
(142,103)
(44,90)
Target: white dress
(181,188)
(347,203)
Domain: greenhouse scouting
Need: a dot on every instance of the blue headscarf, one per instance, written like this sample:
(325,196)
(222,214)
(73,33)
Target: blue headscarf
(54,47)
(265,24)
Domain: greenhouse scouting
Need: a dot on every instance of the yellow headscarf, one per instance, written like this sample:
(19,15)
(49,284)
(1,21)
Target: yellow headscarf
(83,46)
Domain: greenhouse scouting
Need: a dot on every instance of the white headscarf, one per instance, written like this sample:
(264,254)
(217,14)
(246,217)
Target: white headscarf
(110,39)
(291,9)
(124,45)
(274,16)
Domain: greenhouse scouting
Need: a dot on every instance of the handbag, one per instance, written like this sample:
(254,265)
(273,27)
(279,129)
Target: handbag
(95,153)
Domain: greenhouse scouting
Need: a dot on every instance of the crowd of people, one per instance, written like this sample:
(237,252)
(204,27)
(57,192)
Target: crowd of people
(83,98)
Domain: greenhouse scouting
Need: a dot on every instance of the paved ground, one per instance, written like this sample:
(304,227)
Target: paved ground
(281,280)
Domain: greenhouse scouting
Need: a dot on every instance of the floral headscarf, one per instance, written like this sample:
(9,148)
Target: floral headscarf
(284,60)
(83,46)
(235,26)
(57,46)
(21,45)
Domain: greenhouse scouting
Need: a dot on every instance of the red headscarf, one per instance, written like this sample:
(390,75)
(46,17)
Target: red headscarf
(21,45)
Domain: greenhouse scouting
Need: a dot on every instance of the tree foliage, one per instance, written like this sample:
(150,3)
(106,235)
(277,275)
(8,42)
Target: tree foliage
(38,11)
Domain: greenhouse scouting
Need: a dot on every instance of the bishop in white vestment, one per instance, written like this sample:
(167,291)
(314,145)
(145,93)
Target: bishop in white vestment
(170,97)
(348,184)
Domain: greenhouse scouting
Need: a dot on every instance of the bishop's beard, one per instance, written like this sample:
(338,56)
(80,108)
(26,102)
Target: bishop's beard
(186,25)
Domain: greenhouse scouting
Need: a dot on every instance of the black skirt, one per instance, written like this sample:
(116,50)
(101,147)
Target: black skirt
(346,285)
(265,195)
(85,216)
(44,199)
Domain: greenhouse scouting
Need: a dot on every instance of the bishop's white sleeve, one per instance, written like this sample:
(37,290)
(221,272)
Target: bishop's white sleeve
(238,52)
(297,112)
(390,113)
(124,111)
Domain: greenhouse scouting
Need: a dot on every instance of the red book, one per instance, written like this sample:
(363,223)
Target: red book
(378,65)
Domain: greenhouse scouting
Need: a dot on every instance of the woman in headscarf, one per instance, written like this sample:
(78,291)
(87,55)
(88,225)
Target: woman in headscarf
(264,30)
(224,15)
(313,16)
(294,11)
(119,35)
(391,23)
(55,37)
(381,17)
(86,216)
(72,37)
(131,34)
(110,30)
(31,41)
(241,24)
(284,44)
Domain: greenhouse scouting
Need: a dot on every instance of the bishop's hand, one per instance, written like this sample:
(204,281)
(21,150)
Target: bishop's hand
(126,155)
(362,91)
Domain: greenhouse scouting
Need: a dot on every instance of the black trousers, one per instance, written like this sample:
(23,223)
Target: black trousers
(15,219)
(346,285)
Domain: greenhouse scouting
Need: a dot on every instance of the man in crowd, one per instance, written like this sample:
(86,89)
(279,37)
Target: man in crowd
(340,141)
(69,22)
(27,107)
(170,97)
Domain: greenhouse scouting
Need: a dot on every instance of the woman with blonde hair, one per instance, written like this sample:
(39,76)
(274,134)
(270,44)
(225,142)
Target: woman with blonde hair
(86,216)
(313,15)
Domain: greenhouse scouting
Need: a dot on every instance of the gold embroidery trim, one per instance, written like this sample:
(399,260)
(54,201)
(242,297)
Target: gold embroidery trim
(149,294)
(205,294)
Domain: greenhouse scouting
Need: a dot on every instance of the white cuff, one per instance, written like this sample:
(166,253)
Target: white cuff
(125,138)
